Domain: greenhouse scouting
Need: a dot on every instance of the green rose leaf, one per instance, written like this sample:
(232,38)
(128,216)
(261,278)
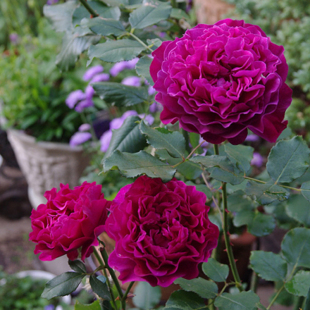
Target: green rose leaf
(60,15)
(240,155)
(300,283)
(266,193)
(115,51)
(163,139)
(288,160)
(143,68)
(298,208)
(261,224)
(77,266)
(128,138)
(132,165)
(120,95)
(73,44)
(242,301)
(307,302)
(179,14)
(238,202)
(269,266)
(99,286)
(216,271)
(182,300)
(148,14)
(244,217)
(296,247)
(200,286)
(116,3)
(146,296)
(94,306)
(305,190)
(62,285)
(106,26)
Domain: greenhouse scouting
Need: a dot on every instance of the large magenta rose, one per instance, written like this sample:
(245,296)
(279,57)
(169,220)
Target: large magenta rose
(69,222)
(162,231)
(220,80)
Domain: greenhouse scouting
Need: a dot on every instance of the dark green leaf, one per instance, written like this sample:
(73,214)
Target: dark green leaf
(296,247)
(106,26)
(200,286)
(94,306)
(77,266)
(242,301)
(146,296)
(178,14)
(298,208)
(261,224)
(244,217)
(266,193)
(143,68)
(132,165)
(240,155)
(120,95)
(148,14)
(116,3)
(115,51)
(307,302)
(72,46)
(128,138)
(100,287)
(288,160)
(216,271)
(60,15)
(163,139)
(239,201)
(269,266)
(62,285)
(305,190)
(300,283)
(182,300)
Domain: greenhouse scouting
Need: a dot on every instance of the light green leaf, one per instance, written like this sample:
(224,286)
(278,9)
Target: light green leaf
(243,301)
(148,14)
(200,286)
(239,201)
(77,266)
(143,68)
(305,190)
(120,95)
(298,208)
(296,247)
(128,138)
(62,285)
(60,15)
(163,139)
(288,160)
(179,14)
(269,266)
(146,296)
(216,271)
(106,26)
(116,3)
(115,51)
(94,306)
(99,286)
(182,300)
(299,285)
(240,155)
(132,165)
(244,217)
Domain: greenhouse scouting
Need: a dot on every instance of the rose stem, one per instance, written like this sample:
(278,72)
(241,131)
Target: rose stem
(230,254)
(104,255)
(127,291)
(105,273)
(89,8)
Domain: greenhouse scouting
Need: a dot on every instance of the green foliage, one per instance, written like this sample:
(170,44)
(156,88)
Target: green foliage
(99,286)
(146,296)
(299,285)
(77,266)
(298,208)
(143,68)
(182,300)
(216,271)
(94,306)
(242,301)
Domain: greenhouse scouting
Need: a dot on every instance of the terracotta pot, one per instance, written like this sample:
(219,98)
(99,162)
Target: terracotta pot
(46,164)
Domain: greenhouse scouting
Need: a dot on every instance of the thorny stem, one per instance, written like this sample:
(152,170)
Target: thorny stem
(128,290)
(105,274)
(89,8)
(230,254)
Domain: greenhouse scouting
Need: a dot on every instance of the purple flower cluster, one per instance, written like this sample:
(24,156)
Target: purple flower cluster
(123,65)
(81,136)
(80,100)
(50,2)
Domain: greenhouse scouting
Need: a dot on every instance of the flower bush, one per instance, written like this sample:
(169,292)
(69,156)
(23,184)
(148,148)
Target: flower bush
(162,231)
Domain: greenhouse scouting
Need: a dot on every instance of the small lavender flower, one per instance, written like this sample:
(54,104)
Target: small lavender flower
(89,92)
(84,127)
(151,90)
(83,104)
(79,138)
(252,138)
(257,160)
(132,81)
(129,113)
(155,107)
(103,77)
(49,307)
(74,97)
(122,65)
(50,2)
(105,140)
(91,72)
(149,119)
(205,144)
(14,38)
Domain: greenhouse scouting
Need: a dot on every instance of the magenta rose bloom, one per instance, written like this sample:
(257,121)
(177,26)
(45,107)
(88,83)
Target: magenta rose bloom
(220,80)
(69,222)
(162,231)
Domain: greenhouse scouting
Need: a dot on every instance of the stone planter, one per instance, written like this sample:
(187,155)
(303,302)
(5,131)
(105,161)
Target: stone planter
(46,164)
